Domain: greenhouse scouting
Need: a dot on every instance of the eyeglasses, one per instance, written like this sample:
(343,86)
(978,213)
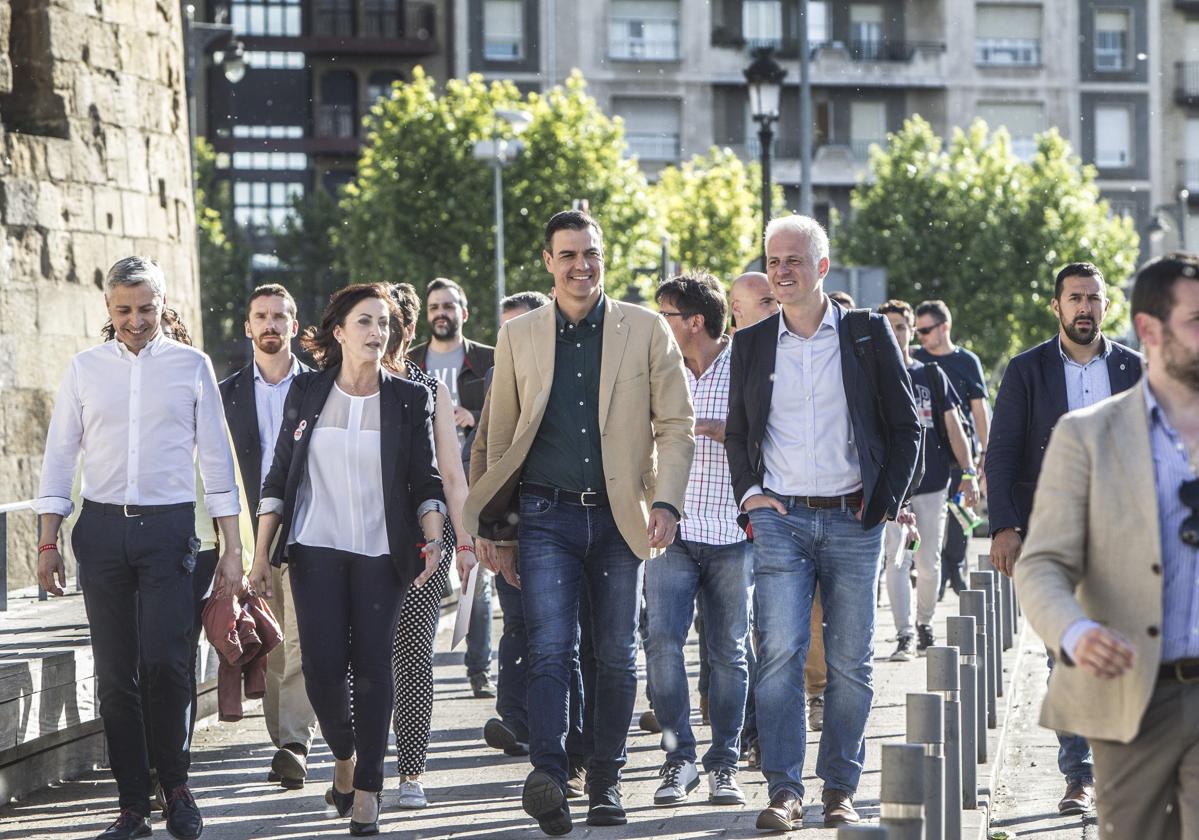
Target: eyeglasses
(927,330)
(1188,492)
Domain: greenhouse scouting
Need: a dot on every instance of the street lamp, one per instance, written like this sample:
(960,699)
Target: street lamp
(1178,214)
(765,79)
(199,39)
(499,152)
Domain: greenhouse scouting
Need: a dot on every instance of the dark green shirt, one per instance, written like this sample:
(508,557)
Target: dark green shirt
(566,453)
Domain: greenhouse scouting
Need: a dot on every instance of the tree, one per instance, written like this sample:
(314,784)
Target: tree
(223,258)
(975,226)
(306,245)
(421,205)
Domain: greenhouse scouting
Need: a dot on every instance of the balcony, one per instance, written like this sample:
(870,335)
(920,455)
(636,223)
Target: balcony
(653,147)
(1007,52)
(641,39)
(1186,87)
(855,63)
(1188,174)
(336,121)
(410,31)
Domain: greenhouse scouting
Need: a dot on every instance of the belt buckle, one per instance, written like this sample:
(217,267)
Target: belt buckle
(583,498)
(128,515)
(1178,674)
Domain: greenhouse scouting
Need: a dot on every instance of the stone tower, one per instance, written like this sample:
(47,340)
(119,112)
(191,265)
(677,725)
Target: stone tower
(94,166)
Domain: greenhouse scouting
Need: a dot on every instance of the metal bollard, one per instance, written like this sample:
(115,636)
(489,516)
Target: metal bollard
(1003,608)
(986,582)
(973,603)
(926,727)
(960,635)
(862,832)
(942,675)
(901,798)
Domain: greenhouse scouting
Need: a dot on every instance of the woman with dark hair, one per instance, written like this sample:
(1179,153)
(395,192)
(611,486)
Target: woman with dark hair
(412,649)
(351,489)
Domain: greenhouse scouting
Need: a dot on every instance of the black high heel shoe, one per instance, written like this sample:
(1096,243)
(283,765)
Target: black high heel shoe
(358,829)
(343,802)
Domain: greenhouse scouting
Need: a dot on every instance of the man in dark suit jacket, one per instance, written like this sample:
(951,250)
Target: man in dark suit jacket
(253,399)
(817,463)
(1076,368)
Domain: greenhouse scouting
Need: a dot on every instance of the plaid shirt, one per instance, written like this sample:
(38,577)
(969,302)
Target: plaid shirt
(711,511)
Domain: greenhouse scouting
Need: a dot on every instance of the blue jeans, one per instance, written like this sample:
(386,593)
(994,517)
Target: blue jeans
(721,577)
(1073,752)
(566,550)
(792,554)
(478,636)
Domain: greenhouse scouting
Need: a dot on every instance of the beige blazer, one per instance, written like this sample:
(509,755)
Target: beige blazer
(645,418)
(1094,551)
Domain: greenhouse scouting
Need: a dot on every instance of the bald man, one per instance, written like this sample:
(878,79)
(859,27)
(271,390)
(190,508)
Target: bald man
(751,299)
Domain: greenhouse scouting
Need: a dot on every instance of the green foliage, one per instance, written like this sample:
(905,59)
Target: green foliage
(982,230)
(306,245)
(223,257)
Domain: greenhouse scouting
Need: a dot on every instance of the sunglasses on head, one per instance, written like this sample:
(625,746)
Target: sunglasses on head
(1188,492)
(927,330)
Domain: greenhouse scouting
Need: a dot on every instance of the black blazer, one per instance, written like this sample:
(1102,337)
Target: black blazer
(241,413)
(477,360)
(1031,399)
(409,469)
(887,431)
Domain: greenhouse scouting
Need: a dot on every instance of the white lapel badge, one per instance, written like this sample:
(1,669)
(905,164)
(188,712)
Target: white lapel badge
(300,430)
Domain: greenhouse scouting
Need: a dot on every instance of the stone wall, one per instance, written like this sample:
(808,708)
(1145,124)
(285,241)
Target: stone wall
(94,166)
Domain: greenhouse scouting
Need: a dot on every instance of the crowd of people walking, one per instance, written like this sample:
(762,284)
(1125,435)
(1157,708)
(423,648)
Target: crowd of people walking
(623,474)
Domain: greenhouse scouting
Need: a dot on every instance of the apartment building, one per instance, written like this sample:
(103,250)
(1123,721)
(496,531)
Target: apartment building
(1176,171)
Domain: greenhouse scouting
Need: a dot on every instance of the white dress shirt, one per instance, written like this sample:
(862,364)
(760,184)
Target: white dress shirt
(141,423)
(340,504)
(268,404)
(809,448)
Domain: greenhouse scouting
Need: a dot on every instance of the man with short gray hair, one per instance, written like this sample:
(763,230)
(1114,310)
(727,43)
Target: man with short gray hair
(136,408)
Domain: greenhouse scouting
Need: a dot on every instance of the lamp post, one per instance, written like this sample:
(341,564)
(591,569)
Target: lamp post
(199,39)
(1178,214)
(499,152)
(765,79)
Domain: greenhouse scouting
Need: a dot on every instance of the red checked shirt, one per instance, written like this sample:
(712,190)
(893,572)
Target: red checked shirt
(711,511)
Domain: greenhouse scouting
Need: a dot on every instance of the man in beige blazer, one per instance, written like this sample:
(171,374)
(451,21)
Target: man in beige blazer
(589,445)
(1110,569)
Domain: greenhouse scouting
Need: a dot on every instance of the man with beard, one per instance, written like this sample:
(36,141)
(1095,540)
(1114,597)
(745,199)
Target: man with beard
(1076,368)
(1109,570)
(254,398)
(462,365)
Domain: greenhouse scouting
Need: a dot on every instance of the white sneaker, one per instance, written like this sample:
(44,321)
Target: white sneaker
(723,788)
(412,796)
(679,778)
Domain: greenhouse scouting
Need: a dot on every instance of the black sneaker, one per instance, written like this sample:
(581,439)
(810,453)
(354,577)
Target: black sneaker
(501,735)
(544,800)
(183,817)
(924,638)
(129,824)
(905,651)
(480,685)
(604,803)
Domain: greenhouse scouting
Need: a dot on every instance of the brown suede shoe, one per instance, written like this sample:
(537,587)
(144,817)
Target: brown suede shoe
(1079,799)
(784,813)
(838,808)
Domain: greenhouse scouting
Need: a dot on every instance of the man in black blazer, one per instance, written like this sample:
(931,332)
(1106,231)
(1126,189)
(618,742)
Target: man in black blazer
(822,439)
(1076,368)
(253,399)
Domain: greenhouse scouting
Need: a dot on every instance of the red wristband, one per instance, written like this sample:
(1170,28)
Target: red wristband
(469,548)
(47,547)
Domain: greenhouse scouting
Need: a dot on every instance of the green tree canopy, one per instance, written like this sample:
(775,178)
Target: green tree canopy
(973,225)
(223,259)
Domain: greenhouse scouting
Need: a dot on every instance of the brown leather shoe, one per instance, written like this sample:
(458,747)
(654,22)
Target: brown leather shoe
(1079,799)
(784,813)
(838,808)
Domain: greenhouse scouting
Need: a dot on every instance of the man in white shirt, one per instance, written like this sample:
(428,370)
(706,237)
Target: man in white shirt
(136,409)
(253,399)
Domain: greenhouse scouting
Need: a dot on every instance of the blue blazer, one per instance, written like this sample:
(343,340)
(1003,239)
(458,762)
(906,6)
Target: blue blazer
(886,429)
(1031,399)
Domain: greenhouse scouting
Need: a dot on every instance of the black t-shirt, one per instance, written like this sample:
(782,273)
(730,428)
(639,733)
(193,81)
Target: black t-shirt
(939,463)
(965,373)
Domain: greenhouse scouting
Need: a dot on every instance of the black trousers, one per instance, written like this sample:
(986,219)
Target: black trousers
(953,555)
(347,607)
(138,590)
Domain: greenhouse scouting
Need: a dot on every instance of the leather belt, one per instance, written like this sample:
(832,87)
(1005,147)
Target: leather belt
(134,510)
(586,499)
(851,502)
(1182,670)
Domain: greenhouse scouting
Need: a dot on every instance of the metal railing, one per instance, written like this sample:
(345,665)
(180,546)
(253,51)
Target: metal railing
(1186,87)
(653,146)
(861,148)
(1008,52)
(623,44)
(335,121)
(871,50)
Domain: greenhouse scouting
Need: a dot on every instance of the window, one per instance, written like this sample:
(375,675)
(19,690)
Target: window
(378,85)
(651,127)
(334,17)
(1113,136)
(338,112)
(1008,35)
(1023,121)
(867,127)
(264,203)
(1190,164)
(259,60)
(762,23)
(270,161)
(381,19)
(267,17)
(866,31)
(644,29)
(282,132)
(503,30)
(1111,40)
(820,29)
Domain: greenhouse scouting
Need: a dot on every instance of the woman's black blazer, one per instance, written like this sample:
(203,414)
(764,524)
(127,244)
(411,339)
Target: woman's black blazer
(410,474)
